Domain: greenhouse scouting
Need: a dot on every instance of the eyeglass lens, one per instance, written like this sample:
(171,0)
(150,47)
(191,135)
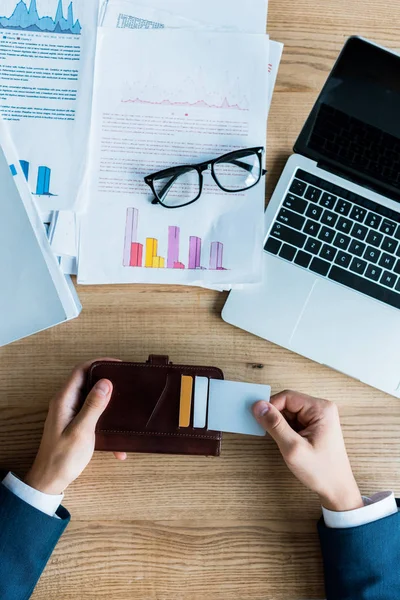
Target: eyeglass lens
(178,188)
(238,173)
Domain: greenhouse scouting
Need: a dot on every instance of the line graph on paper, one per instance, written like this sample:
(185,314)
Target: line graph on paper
(193,92)
(22,17)
(225,105)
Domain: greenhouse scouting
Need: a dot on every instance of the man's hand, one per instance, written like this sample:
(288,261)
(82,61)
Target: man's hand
(308,433)
(68,440)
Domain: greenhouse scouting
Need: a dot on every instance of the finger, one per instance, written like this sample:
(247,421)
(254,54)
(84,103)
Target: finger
(66,404)
(276,425)
(301,406)
(94,406)
(121,455)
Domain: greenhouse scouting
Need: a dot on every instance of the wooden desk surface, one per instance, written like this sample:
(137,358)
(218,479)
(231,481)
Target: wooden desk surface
(238,527)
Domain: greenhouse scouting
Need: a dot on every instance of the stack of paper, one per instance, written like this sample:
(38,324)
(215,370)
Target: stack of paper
(35,293)
(116,92)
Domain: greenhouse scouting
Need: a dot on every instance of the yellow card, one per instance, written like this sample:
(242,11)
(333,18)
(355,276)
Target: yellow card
(186,401)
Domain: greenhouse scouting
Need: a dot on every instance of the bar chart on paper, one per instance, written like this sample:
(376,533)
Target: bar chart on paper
(146,254)
(42,178)
(23,18)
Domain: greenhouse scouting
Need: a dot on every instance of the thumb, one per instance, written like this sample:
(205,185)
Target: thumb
(95,404)
(276,425)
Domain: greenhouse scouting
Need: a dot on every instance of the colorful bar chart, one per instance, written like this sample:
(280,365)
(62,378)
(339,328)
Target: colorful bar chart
(43,177)
(146,255)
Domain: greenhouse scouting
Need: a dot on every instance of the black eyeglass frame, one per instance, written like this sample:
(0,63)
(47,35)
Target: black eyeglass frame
(208,165)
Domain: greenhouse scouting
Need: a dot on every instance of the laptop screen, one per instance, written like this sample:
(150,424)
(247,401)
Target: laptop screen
(354,127)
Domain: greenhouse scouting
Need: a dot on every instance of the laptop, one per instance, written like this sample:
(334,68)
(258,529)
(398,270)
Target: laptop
(331,262)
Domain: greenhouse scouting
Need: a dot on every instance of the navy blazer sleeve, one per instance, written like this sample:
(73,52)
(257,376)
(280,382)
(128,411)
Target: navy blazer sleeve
(27,540)
(362,563)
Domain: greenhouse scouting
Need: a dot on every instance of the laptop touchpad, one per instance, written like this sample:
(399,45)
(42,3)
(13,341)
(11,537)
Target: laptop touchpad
(351,333)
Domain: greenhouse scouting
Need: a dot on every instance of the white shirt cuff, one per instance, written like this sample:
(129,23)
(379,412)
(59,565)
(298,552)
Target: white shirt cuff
(44,502)
(377,507)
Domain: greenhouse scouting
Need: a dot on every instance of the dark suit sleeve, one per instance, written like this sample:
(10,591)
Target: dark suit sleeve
(27,540)
(362,563)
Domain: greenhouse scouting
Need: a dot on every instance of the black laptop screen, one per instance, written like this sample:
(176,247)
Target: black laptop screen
(355,124)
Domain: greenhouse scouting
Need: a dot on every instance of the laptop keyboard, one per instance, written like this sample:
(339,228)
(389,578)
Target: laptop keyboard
(339,235)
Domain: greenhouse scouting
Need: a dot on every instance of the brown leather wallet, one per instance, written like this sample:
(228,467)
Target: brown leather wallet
(143,414)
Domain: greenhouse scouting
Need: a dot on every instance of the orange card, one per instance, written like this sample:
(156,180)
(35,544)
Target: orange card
(186,401)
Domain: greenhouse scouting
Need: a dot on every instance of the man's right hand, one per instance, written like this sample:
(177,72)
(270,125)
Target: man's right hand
(309,436)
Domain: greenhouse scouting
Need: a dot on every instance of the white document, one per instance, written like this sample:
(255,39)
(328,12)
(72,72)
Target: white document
(35,294)
(156,116)
(230,406)
(47,49)
(221,15)
(129,14)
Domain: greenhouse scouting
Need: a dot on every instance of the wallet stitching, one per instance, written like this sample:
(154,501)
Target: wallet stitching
(141,365)
(157,433)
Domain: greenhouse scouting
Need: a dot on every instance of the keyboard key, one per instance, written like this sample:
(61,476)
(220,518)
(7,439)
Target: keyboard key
(288,235)
(359,232)
(358,266)
(358,214)
(357,248)
(294,203)
(341,241)
(373,272)
(388,279)
(373,220)
(374,238)
(303,259)
(298,187)
(372,254)
(343,259)
(319,266)
(342,207)
(327,200)
(313,246)
(311,228)
(387,261)
(273,245)
(313,194)
(388,227)
(355,282)
(314,212)
(287,252)
(397,267)
(328,252)
(326,235)
(344,225)
(291,219)
(389,245)
(329,218)
(397,233)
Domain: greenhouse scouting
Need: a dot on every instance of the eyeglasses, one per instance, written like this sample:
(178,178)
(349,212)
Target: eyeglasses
(234,172)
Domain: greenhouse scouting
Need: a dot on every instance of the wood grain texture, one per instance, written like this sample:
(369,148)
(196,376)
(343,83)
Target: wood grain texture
(239,527)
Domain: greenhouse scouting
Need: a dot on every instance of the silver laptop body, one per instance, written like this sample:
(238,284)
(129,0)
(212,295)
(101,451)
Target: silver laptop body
(331,276)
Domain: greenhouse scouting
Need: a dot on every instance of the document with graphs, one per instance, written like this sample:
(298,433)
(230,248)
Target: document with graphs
(204,95)
(47,50)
